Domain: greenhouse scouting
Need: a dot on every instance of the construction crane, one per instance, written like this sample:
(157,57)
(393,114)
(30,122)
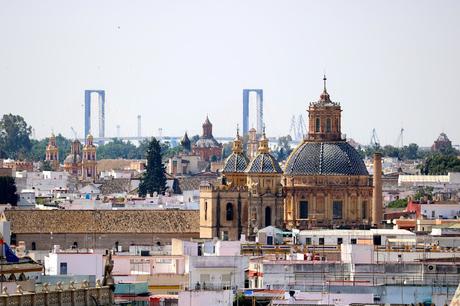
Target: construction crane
(75,136)
(400,139)
(298,128)
(375,142)
(301,128)
(293,128)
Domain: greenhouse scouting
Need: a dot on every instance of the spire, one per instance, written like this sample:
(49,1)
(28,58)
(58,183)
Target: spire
(186,143)
(263,143)
(324,98)
(237,144)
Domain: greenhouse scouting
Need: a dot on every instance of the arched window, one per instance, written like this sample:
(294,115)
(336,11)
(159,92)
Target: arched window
(328,125)
(268,216)
(34,245)
(229,210)
(317,125)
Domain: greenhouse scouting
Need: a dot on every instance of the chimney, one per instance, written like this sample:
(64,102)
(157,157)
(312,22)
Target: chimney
(377,210)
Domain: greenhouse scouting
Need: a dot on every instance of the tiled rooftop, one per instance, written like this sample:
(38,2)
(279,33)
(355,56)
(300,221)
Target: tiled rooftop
(108,221)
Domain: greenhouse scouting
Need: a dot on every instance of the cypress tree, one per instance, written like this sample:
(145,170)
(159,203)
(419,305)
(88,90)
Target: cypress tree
(154,178)
(8,191)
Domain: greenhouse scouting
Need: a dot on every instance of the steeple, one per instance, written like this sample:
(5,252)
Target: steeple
(324,97)
(186,143)
(263,143)
(237,144)
(52,152)
(207,128)
(324,118)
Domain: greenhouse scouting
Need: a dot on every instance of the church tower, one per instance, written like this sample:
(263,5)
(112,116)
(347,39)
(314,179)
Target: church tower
(324,118)
(265,190)
(89,163)
(236,164)
(52,153)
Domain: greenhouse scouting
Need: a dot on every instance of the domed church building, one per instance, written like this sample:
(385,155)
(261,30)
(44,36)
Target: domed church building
(248,197)
(324,184)
(325,180)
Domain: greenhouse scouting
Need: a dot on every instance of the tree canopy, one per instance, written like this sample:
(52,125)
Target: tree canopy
(410,152)
(440,164)
(119,149)
(14,137)
(154,178)
(8,191)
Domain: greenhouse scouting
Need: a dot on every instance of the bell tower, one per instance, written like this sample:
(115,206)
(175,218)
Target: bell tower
(89,159)
(52,153)
(324,118)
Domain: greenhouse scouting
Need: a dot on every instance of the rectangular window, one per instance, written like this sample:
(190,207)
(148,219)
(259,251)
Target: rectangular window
(337,210)
(339,241)
(307,240)
(321,241)
(364,210)
(303,210)
(353,240)
(63,268)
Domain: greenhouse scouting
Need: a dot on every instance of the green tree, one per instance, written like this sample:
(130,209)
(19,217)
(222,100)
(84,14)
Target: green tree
(46,166)
(154,178)
(283,149)
(117,148)
(8,191)
(399,203)
(410,152)
(438,164)
(167,151)
(424,192)
(14,137)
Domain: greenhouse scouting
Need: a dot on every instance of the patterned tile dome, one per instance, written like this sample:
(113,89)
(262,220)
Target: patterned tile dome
(325,158)
(236,162)
(264,163)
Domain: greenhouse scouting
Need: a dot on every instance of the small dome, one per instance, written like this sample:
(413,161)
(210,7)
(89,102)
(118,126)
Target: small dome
(70,159)
(325,158)
(236,162)
(264,163)
(207,143)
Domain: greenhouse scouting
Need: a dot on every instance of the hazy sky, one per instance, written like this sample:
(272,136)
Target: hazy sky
(391,64)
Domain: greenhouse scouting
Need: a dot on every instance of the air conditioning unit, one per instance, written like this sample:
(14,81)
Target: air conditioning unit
(430,268)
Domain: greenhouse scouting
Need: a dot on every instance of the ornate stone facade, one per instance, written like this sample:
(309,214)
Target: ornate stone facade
(325,180)
(52,153)
(248,198)
(325,183)
(89,162)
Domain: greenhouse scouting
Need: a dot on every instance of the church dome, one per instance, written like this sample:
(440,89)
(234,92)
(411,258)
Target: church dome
(325,158)
(236,162)
(264,163)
